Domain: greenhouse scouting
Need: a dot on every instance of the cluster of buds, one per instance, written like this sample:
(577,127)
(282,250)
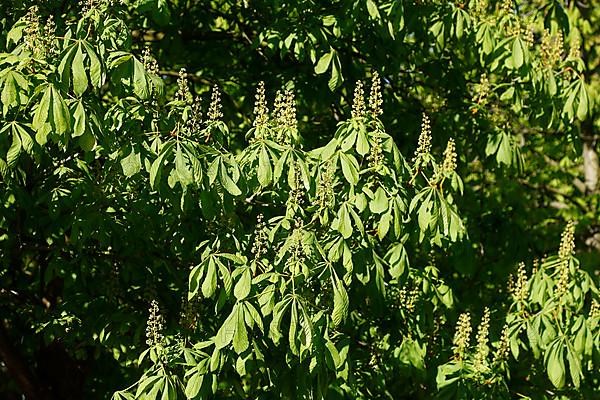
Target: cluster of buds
(297,186)
(595,309)
(567,242)
(261,112)
(150,63)
(359,108)
(289,117)
(285,116)
(513,28)
(375,97)
(575,48)
(154,326)
(551,48)
(183,91)
(536,266)
(424,139)
(565,252)
(482,90)
(501,352)
(527,33)
(482,349)
(375,156)
(259,245)
(462,335)
(479,9)
(299,250)
(38,38)
(189,316)
(449,164)
(215,110)
(507,6)
(194,121)
(407,299)
(517,285)
(563,278)
(325,195)
(278,107)
(87,6)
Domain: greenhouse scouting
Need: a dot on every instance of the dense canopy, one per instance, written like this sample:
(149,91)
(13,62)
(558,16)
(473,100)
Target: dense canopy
(348,199)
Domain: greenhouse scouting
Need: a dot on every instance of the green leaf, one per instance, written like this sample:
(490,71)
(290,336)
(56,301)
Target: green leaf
(87,141)
(517,52)
(243,286)
(349,168)
(228,183)
(141,86)
(184,175)
(362,143)
(323,63)
(574,367)
(336,78)
(13,152)
(340,302)
(9,92)
(384,225)
(210,279)
(292,332)
(344,225)
(96,75)
(157,165)
(240,337)
(380,203)
(332,356)
(372,9)
(80,81)
(194,281)
(582,107)
(227,331)
(65,67)
(26,141)
(80,120)
(192,388)
(504,155)
(60,112)
(131,164)
(41,116)
(275,326)
(556,366)
(265,171)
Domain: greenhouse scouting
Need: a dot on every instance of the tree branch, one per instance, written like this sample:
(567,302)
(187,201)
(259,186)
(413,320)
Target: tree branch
(17,368)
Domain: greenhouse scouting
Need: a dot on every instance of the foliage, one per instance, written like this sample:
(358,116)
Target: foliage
(316,246)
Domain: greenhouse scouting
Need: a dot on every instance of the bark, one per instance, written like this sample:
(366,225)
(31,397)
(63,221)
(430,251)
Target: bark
(591,165)
(17,368)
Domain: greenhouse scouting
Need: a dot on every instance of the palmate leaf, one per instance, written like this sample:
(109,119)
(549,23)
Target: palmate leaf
(51,116)
(340,302)
(131,72)
(15,89)
(80,67)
